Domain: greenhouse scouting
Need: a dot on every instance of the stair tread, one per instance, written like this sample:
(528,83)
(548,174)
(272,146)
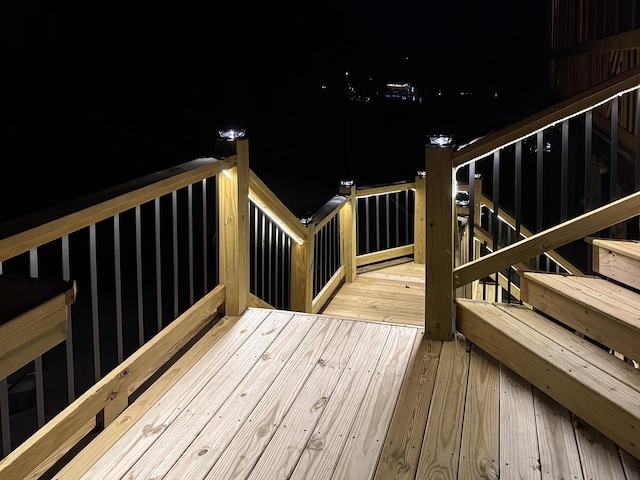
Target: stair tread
(629,248)
(562,337)
(613,300)
(598,387)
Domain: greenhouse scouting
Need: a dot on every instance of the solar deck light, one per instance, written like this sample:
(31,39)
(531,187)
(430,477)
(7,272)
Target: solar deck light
(232,134)
(226,142)
(440,140)
(345,186)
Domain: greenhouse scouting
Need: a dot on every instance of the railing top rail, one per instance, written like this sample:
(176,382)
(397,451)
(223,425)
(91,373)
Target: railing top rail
(265,198)
(329,210)
(21,235)
(382,189)
(568,108)
(550,239)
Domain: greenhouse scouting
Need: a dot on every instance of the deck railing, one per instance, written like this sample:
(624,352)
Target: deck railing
(558,177)
(174,250)
(164,257)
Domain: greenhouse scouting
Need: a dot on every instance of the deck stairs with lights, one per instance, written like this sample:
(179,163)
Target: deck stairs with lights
(575,337)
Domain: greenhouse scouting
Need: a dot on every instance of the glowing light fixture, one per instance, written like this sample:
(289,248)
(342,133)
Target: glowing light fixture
(232,134)
(440,140)
(550,124)
(274,218)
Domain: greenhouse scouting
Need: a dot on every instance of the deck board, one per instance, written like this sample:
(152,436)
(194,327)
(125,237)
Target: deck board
(290,395)
(479,452)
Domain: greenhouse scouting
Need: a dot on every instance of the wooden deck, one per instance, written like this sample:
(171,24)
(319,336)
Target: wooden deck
(286,395)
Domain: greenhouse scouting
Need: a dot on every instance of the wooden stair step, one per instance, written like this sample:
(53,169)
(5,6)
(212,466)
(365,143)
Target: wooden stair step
(618,260)
(599,388)
(602,310)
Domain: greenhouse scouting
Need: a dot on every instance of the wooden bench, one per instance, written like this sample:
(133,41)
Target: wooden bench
(33,318)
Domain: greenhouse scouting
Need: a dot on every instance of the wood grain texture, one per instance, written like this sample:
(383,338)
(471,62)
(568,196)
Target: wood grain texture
(439,245)
(559,455)
(479,452)
(440,453)
(401,452)
(599,309)
(519,455)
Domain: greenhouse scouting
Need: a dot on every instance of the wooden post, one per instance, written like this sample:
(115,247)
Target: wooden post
(302,272)
(439,311)
(233,202)
(348,233)
(420,220)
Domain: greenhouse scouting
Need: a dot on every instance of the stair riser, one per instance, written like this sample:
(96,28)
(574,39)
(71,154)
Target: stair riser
(601,327)
(616,266)
(563,376)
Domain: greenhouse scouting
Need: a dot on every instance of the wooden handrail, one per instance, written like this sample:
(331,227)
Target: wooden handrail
(329,210)
(550,116)
(267,199)
(572,269)
(110,395)
(555,237)
(44,227)
(380,189)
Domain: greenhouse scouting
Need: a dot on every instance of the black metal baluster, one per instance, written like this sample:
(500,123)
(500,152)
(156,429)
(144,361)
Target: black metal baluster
(95,315)
(496,202)
(118,286)
(539,188)
(564,175)
(158,265)
(66,274)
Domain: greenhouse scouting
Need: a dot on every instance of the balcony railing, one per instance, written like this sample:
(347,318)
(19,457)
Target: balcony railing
(173,251)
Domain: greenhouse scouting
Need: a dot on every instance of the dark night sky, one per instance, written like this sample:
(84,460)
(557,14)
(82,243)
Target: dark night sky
(107,91)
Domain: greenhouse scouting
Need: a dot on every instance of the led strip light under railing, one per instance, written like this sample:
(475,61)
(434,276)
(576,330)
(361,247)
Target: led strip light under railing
(276,220)
(541,129)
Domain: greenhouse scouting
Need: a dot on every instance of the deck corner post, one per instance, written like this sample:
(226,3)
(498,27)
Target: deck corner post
(439,252)
(419,220)
(302,272)
(233,201)
(348,232)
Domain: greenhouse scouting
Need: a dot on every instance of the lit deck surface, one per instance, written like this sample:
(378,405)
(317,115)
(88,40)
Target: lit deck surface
(287,395)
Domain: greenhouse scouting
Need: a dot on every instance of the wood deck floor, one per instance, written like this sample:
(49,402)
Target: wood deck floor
(352,396)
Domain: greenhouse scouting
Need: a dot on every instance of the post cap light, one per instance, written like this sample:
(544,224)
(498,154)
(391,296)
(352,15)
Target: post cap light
(232,134)
(440,140)
(345,186)
(421,173)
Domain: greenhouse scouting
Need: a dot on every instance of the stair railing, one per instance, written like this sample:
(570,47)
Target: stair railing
(564,174)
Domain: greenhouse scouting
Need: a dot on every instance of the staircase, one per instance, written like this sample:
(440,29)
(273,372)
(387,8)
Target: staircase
(576,338)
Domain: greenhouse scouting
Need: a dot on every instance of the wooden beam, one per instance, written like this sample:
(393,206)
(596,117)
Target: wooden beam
(439,244)
(33,318)
(263,196)
(233,205)
(420,220)
(382,255)
(550,239)
(302,272)
(348,234)
(328,290)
